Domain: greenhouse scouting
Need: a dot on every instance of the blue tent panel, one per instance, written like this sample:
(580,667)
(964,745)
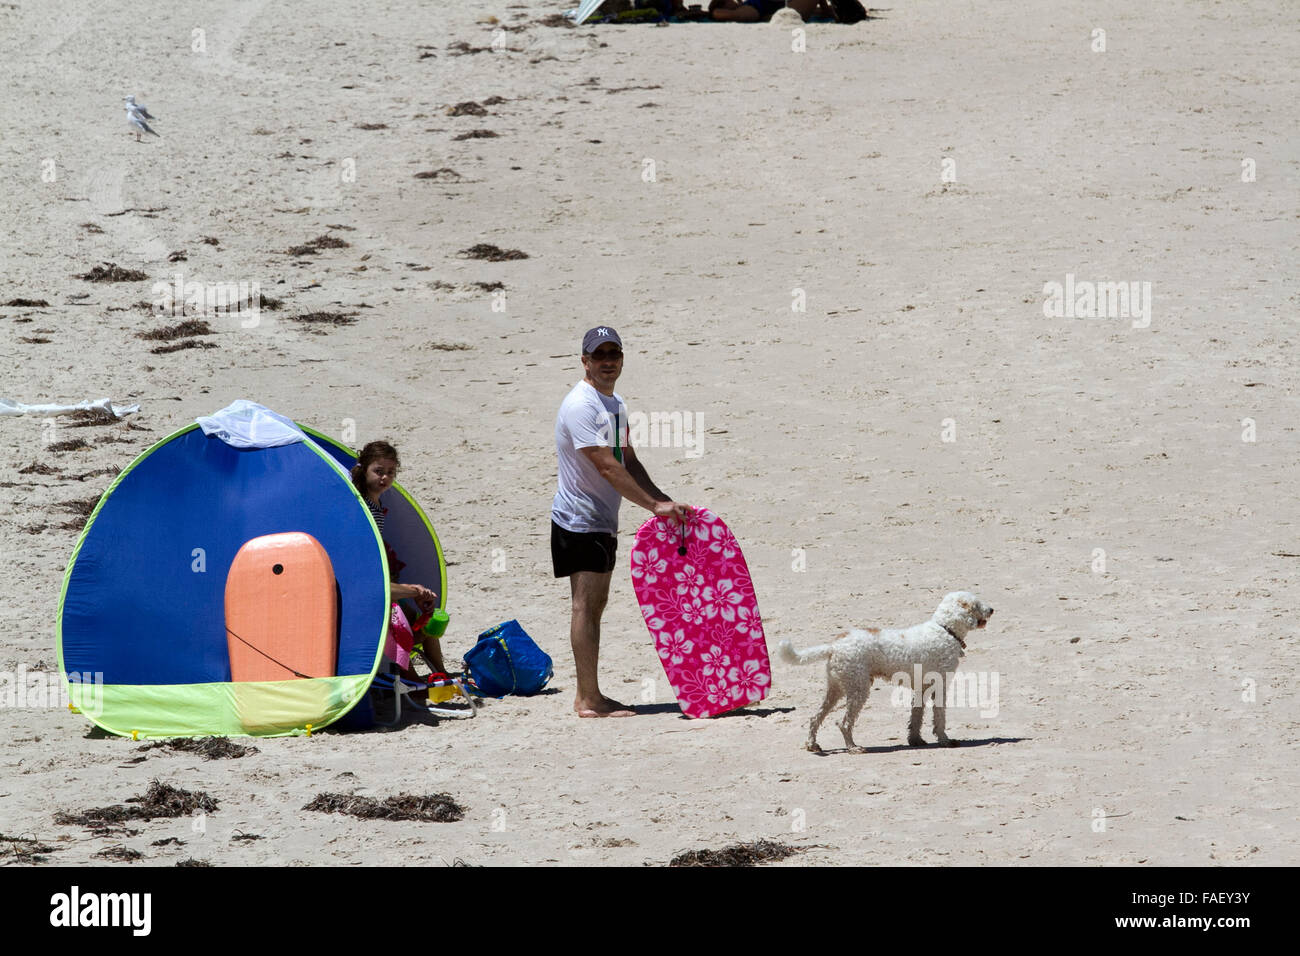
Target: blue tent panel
(144,598)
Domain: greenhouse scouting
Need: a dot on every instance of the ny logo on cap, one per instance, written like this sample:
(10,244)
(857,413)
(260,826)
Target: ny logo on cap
(602,331)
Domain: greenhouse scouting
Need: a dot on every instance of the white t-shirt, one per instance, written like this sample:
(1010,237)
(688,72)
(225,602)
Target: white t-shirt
(584,501)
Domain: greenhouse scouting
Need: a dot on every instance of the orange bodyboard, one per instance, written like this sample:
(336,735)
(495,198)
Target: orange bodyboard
(281,609)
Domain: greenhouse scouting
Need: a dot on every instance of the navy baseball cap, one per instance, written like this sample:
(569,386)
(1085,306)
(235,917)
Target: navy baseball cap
(597,337)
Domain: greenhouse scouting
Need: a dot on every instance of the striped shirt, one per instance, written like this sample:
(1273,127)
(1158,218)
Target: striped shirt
(377,512)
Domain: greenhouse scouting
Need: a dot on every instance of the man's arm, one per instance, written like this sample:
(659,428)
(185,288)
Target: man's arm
(641,476)
(629,486)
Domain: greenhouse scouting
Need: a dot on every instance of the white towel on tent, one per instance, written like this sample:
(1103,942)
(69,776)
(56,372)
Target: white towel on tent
(9,407)
(245,424)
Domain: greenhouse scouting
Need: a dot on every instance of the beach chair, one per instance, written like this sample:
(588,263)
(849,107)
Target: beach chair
(399,687)
(398,679)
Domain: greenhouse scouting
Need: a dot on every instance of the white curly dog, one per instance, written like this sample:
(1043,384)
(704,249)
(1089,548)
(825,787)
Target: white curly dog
(935,647)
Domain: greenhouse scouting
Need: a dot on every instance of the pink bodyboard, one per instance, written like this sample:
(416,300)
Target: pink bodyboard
(702,613)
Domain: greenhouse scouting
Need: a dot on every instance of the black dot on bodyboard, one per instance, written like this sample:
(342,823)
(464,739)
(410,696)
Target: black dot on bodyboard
(681,550)
(278,569)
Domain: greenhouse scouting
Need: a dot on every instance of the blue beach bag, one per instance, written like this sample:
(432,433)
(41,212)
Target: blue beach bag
(507,661)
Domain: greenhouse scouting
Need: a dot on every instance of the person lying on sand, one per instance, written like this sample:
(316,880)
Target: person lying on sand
(754,11)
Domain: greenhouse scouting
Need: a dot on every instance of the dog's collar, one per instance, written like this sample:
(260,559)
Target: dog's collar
(955,637)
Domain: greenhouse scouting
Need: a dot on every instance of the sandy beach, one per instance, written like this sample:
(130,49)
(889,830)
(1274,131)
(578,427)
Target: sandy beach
(832,250)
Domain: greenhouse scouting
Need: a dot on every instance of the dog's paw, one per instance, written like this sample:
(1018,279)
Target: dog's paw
(812,747)
(949,742)
(855,749)
(915,742)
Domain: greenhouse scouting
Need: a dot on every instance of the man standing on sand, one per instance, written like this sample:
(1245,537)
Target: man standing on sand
(597,470)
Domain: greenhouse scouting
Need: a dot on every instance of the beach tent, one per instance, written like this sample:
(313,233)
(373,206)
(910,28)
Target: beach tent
(158,623)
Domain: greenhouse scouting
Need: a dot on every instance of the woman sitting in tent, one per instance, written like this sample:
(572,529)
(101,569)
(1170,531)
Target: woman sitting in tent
(373,474)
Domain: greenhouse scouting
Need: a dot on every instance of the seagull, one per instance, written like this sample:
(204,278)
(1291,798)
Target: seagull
(140,108)
(136,114)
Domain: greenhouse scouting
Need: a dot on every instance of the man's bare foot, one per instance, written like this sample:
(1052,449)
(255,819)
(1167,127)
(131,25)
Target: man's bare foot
(604,707)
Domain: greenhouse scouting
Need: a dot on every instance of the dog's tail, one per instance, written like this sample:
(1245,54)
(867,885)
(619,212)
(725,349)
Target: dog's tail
(788,654)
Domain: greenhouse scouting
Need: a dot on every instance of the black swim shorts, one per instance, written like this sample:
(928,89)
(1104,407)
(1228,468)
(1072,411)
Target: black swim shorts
(581,551)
